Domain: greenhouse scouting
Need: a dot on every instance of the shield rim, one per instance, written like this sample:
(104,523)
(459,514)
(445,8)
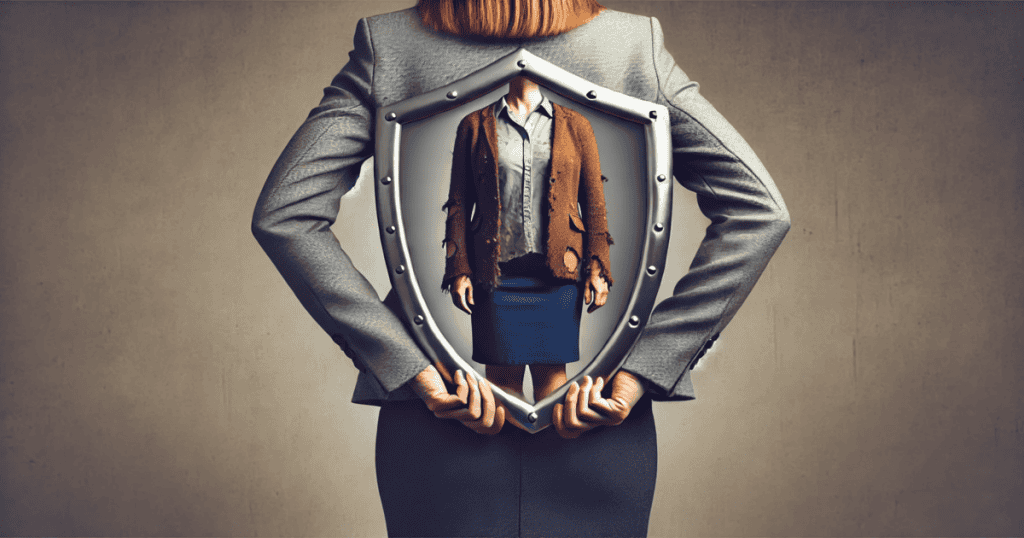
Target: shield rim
(387,187)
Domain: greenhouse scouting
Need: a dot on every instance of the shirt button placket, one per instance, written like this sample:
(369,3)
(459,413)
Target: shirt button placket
(527,186)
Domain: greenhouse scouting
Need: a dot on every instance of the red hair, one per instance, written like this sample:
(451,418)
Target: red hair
(507,18)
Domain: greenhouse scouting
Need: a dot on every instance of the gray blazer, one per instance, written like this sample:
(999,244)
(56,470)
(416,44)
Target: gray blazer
(396,57)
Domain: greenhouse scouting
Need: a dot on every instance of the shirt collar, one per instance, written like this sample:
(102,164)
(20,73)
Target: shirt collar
(544,105)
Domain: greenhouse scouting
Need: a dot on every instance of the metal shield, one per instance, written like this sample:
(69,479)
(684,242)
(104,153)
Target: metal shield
(413,161)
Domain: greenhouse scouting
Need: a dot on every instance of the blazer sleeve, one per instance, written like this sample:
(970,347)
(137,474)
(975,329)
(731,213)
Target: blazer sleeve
(748,222)
(298,206)
(460,201)
(596,238)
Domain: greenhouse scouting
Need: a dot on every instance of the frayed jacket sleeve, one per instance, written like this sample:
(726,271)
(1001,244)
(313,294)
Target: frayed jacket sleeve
(591,195)
(748,222)
(461,198)
(299,205)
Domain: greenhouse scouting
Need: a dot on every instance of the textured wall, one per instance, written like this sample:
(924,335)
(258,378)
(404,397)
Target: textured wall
(158,377)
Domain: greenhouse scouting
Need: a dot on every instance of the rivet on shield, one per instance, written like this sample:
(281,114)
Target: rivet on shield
(400,269)
(652,270)
(453,94)
(634,321)
(591,94)
(653,114)
(386,180)
(390,116)
(390,229)
(532,417)
(521,64)
(661,177)
(418,320)
(657,226)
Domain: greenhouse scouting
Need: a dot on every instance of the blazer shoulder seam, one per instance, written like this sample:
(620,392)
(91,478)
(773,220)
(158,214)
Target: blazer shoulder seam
(654,60)
(373,57)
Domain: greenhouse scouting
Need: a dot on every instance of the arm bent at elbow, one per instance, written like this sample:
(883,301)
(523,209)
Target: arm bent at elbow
(748,220)
(299,205)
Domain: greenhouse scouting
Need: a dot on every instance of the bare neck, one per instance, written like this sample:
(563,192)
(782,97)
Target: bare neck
(523,96)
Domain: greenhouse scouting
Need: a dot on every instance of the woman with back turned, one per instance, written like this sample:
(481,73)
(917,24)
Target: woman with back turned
(593,473)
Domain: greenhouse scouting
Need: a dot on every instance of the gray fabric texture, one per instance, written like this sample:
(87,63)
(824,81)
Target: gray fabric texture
(524,159)
(396,57)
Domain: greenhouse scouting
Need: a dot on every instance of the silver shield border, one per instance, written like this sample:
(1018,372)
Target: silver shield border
(653,117)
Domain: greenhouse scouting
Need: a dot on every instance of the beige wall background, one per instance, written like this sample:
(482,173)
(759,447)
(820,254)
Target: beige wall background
(158,377)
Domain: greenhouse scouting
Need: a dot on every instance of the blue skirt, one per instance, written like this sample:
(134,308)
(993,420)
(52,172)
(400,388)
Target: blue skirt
(527,320)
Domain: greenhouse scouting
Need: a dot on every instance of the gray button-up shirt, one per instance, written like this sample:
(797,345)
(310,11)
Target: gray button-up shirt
(524,162)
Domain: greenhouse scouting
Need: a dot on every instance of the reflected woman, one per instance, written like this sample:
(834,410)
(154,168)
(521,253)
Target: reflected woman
(525,168)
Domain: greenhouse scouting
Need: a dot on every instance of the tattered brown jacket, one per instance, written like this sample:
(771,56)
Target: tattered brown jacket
(472,248)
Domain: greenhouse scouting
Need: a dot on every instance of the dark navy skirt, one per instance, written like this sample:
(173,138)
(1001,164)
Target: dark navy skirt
(439,478)
(528,318)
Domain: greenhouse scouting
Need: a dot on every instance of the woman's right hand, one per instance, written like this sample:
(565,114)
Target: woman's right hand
(462,293)
(472,404)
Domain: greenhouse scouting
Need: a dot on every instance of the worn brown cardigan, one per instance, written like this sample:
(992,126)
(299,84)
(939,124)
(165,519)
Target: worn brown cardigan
(473,248)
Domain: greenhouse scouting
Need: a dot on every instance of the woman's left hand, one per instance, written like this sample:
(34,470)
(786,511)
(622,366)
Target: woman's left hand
(585,408)
(597,288)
